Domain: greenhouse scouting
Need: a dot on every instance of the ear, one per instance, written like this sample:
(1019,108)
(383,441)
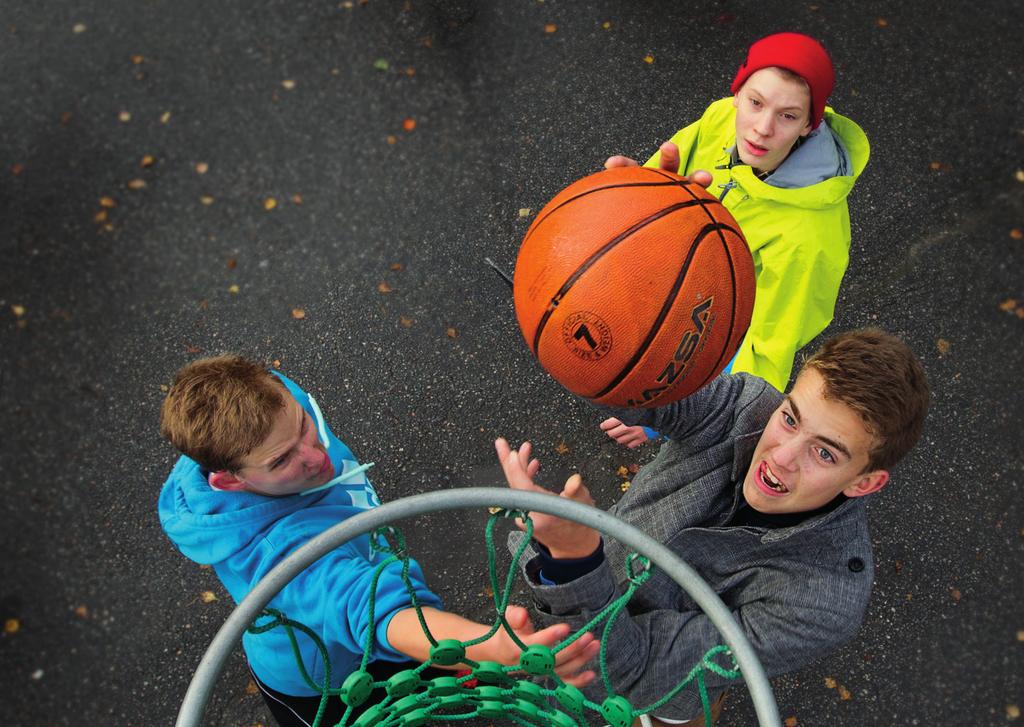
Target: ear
(224,480)
(735,100)
(868,483)
(807,129)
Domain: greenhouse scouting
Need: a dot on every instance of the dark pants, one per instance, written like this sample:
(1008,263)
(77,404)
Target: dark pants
(292,711)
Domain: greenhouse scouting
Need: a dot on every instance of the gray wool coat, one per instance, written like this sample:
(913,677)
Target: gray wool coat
(798,592)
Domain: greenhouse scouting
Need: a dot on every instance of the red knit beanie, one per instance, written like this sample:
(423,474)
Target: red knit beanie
(798,53)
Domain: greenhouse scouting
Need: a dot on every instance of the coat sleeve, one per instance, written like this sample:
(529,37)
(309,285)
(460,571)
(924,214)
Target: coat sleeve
(797,286)
(647,654)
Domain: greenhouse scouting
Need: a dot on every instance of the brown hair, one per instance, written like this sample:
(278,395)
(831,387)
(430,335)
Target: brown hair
(219,409)
(880,378)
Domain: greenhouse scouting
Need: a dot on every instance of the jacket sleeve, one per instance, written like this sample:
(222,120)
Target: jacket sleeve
(704,418)
(647,654)
(797,286)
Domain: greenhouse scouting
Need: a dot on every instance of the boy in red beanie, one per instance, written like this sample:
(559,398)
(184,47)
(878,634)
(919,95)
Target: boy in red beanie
(783,163)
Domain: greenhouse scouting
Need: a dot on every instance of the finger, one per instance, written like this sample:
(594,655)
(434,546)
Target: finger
(518,619)
(669,157)
(610,423)
(549,636)
(533,468)
(525,449)
(701,177)
(502,448)
(575,650)
(579,659)
(620,161)
(580,680)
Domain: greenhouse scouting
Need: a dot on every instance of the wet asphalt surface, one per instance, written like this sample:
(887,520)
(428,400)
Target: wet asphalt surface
(307,104)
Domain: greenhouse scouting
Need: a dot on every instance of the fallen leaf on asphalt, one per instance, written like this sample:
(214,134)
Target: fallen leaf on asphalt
(207,596)
(202,168)
(383,287)
(1008,305)
(622,471)
(189,348)
(550,28)
(137,59)
(395,266)
(606,25)
(147,161)
(392,139)
(634,468)
(562,448)
(943,345)
(251,689)
(206,199)
(78,28)
(405,321)
(493,510)
(233,289)
(1020,636)
(269,203)
(165,117)
(625,486)
(1019,175)
(409,124)
(18,310)
(381,64)
(897,566)
(296,199)
(277,363)
(451,332)
(17,169)
(648,59)
(288,84)
(82,612)
(487,591)
(298,314)
(231,263)
(1012,711)
(137,184)
(12,626)
(1016,233)
(524,211)
(65,118)
(790,722)
(844,693)
(830,682)
(955,593)
(100,216)
(107,202)
(124,117)
(410,71)
(882,23)
(814,8)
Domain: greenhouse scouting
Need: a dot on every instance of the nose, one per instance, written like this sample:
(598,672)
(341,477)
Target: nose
(764,125)
(786,454)
(312,456)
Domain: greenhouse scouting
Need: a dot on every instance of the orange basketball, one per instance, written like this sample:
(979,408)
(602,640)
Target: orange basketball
(634,287)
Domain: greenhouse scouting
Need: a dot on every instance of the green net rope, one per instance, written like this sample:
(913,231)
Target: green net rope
(411,701)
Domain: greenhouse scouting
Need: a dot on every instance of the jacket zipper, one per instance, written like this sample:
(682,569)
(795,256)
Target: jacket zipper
(731,184)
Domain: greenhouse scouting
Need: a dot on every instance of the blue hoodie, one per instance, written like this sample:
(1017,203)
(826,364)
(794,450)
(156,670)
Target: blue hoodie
(244,535)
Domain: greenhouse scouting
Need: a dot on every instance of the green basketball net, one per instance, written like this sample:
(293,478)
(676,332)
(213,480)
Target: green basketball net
(490,690)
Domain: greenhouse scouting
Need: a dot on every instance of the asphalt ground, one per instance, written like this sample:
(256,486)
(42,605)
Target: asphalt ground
(306,103)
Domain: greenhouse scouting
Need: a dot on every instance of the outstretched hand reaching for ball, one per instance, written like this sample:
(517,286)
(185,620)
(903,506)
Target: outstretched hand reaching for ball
(668,161)
(563,538)
(624,434)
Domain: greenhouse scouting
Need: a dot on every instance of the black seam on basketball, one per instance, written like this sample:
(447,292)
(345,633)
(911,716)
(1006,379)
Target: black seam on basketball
(670,183)
(732,316)
(670,300)
(594,257)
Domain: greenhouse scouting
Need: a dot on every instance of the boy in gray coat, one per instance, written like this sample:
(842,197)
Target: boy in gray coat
(763,494)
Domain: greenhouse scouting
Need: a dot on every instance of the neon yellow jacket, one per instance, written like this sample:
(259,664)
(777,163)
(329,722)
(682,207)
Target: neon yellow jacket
(799,238)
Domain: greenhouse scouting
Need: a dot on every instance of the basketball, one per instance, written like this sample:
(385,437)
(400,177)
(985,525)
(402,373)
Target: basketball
(634,287)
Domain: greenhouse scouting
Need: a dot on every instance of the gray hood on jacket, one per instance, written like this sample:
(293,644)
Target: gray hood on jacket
(821,156)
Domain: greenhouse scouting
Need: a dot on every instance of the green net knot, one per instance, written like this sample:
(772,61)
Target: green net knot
(617,711)
(356,688)
(526,710)
(557,719)
(537,660)
(403,683)
(447,652)
(571,699)
(276,619)
(443,686)
(407,704)
(491,708)
(529,692)
(415,718)
(638,568)
(370,717)
(489,672)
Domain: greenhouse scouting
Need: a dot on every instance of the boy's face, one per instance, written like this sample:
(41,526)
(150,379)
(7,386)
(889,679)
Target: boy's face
(772,112)
(291,459)
(812,450)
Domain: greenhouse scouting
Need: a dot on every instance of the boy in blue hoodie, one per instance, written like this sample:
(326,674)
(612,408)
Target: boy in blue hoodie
(261,474)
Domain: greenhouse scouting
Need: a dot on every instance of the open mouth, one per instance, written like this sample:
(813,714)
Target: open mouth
(755,149)
(772,484)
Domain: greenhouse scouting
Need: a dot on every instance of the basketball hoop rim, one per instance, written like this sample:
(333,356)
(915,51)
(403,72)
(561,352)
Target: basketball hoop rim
(230,633)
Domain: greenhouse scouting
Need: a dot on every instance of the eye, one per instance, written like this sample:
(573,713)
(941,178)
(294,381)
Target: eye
(754,102)
(279,461)
(825,455)
(789,117)
(788,420)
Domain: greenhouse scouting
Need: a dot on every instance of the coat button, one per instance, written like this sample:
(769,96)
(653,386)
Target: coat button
(856,565)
